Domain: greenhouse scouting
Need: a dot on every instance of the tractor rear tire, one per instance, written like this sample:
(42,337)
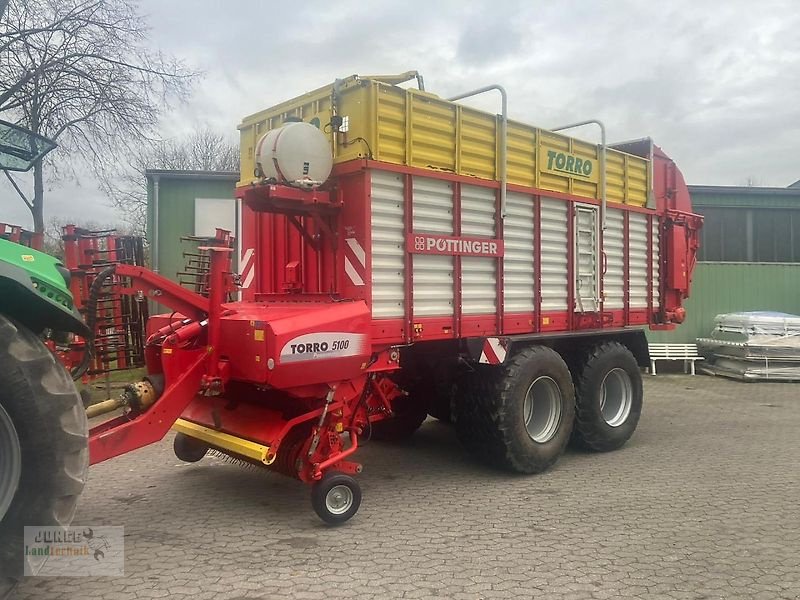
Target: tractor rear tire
(608,396)
(518,416)
(188,449)
(46,435)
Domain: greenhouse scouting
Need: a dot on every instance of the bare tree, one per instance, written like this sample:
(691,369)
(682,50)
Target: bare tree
(79,72)
(202,150)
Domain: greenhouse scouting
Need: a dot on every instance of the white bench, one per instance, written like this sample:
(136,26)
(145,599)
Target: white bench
(685,352)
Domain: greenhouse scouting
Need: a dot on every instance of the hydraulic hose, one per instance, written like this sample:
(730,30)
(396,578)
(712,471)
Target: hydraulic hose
(91,320)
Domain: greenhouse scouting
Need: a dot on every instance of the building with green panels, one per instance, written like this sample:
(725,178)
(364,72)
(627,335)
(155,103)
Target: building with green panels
(186,203)
(749,254)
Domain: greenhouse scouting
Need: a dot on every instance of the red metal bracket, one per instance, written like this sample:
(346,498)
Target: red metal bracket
(126,433)
(164,291)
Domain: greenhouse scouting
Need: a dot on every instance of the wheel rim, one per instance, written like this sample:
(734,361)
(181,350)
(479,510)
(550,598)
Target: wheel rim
(339,499)
(10,461)
(542,409)
(616,397)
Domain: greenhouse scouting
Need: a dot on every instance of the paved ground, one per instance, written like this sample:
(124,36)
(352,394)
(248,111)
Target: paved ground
(703,503)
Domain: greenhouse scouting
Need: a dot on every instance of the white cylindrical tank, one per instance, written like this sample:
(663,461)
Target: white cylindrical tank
(295,154)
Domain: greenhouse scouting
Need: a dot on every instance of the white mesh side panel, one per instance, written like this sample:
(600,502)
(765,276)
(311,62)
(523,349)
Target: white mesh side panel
(388,245)
(656,262)
(554,254)
(478,274)
(519,283)
(614,248)
(637,232)
(433,275)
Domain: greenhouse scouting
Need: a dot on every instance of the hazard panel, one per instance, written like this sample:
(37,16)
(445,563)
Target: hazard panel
(493,351)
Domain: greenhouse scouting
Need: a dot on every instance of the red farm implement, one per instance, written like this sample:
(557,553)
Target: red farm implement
(118,321)
(18,235)
(405,255)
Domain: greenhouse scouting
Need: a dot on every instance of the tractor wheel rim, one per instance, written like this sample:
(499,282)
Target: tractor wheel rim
(339,499)
(542,409)
(10,461)
(616,397)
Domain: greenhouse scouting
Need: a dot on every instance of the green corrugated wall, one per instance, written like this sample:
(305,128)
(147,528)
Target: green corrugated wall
(176,215)
(731,287)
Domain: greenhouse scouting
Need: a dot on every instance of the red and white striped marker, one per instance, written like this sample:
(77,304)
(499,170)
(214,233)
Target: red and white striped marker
(247,269)
(355,262)
(494,352)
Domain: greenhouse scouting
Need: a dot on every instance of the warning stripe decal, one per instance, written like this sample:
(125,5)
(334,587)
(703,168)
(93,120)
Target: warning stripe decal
(493,353)
(355,262)
(247,269)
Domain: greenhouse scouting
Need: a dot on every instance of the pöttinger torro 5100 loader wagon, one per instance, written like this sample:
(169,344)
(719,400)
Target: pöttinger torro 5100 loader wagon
(403,255)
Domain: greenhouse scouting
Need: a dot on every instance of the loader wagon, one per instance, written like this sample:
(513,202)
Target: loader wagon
(404,255)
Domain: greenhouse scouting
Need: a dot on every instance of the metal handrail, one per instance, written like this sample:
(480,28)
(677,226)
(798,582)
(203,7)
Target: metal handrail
(603,148)
(503,137)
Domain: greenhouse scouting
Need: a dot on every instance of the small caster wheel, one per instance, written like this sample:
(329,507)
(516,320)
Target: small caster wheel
(188,449)
(336,497)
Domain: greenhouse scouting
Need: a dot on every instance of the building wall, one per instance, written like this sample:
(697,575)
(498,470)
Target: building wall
(750,245)
(180,196)
(732,287)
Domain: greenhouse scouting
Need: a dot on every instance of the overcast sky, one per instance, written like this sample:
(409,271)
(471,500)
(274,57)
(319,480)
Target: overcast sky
(715,83)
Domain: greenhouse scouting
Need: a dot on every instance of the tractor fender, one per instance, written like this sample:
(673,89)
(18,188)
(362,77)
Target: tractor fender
(20,300)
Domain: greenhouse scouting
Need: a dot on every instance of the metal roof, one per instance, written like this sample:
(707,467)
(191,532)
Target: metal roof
(735,190)
(170,174)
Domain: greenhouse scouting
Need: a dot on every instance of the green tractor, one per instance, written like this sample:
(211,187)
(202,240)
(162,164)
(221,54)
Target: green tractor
(44,453)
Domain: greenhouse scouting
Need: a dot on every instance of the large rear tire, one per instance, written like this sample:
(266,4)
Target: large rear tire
(608,396)
(45,434)
(518,416)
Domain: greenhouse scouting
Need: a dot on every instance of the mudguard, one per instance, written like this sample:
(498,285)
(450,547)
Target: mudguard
(34,290)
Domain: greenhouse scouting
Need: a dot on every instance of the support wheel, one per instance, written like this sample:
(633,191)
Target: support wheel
(336,497)
(608,396)
(188,449)
(518,416)
(44,452)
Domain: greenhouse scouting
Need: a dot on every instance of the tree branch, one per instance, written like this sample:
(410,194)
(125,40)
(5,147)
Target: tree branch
(19,191)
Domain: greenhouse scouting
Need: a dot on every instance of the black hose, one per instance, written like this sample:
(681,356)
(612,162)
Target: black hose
(91,320)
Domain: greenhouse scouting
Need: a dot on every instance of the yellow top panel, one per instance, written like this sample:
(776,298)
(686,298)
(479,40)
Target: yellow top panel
(411,127)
